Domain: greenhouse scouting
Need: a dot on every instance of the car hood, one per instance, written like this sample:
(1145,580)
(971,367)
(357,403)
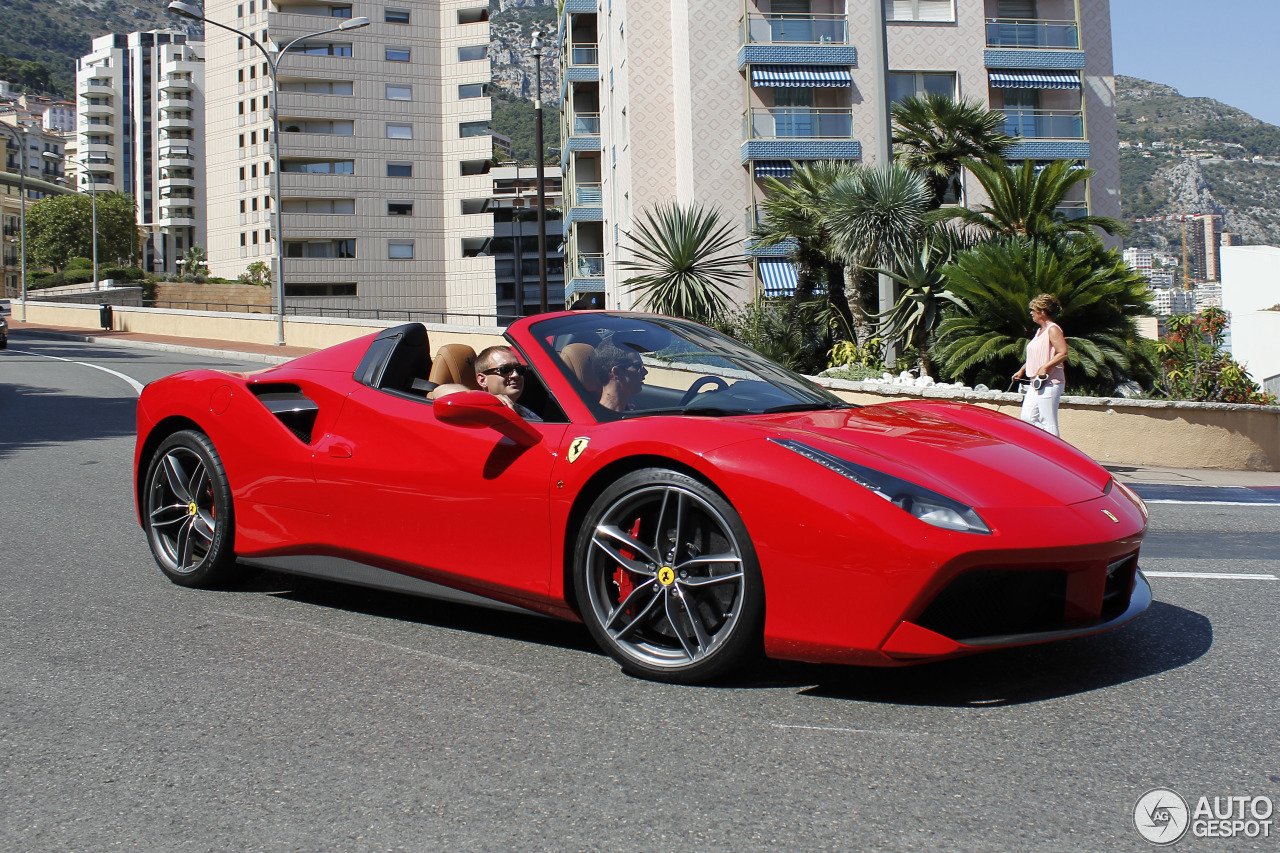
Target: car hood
(976,455)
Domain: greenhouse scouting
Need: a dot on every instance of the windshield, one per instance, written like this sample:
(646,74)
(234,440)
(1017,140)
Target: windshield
(627,365)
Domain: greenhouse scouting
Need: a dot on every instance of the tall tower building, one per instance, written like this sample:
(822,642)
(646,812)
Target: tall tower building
(385,153)
(700,101)
(140,109)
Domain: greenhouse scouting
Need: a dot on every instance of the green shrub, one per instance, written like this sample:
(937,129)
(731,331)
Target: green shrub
(80,264)
(77,276)
(49,279)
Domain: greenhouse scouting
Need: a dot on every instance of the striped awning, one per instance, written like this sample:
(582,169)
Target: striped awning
(778,277)
(800,76)
(773,168)
(1034,79)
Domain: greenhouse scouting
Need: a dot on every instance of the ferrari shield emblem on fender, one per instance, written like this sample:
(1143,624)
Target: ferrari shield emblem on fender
(1108,514)
(576,447)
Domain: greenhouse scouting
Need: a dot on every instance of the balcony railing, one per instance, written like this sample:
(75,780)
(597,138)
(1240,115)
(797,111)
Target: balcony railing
(584,124)
(584,54)
(795,29)
(588,195)
(1044,124)
(799,123)
(1032,34)
(589,265)
(1072,209)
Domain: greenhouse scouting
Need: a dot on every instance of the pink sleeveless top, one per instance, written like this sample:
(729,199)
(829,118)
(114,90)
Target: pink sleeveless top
(1040,351)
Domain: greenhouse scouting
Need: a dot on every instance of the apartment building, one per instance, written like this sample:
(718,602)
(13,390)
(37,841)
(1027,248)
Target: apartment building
(43,163)
(140,111)
(515,240)
(384,151)
(700,101)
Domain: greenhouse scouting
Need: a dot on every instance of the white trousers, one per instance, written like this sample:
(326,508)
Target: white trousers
(1040,408)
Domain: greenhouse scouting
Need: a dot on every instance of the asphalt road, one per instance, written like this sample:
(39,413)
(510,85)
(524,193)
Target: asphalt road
(304,716)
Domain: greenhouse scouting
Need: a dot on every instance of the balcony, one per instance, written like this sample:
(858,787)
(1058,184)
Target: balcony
(1032,34)
(582,55)
(98,124)
(102,107)
(798,123)
(587,195)
(170,99)
(175,121)
(588,265)
(1072,209)
(176,217)
(584,124)
(169,180)
(1044,124)
(98,80)
(794,29)
(176,83)
(176,154)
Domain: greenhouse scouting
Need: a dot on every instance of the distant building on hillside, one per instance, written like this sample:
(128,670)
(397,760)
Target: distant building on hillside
(1139,260)
(1250,289)
(1200,247)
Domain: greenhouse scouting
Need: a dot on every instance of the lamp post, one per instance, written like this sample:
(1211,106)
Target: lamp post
(93,194)
(21,139)
(884,140)
(188,10)
(536,46)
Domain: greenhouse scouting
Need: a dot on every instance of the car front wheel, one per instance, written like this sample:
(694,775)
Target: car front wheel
(188,512)
(667,580)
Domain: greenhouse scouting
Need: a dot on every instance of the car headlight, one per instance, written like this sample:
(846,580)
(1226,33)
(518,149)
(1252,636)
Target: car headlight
(925,504)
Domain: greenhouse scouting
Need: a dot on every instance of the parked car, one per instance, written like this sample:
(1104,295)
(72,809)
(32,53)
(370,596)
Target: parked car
(730,508)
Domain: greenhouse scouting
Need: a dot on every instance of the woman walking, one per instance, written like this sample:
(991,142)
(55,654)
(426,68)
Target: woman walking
(1046,354)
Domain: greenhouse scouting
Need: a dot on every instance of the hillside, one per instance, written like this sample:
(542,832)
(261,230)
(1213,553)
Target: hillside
(1195,155)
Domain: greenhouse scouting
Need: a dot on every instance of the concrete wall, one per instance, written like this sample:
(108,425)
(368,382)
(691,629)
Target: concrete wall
(1137,432)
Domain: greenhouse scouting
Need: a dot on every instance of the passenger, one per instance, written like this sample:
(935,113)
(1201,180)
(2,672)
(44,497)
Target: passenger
(499,373)
(621,373)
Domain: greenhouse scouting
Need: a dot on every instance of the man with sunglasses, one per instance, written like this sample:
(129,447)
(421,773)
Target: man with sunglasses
(499,373)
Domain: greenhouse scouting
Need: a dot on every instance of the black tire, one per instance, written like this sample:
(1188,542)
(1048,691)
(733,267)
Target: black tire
(187,513)
(647,588)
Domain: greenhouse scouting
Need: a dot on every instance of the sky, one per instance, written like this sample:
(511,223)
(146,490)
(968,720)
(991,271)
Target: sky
(1228,50)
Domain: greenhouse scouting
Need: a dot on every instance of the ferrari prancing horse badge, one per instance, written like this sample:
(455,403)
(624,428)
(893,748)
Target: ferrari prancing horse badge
(576,447)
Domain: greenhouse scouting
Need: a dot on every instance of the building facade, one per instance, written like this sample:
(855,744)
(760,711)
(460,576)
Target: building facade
(515,240)
(384,151)
(43,161)
(140,130)
(1251,298)
(698,102)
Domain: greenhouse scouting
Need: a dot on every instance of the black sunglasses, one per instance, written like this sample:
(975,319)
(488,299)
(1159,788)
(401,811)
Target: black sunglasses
(506,370)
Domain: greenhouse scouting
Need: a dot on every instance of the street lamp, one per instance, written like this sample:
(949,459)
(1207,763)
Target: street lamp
(93,193)
(536,47)
(188,10)
(21,139)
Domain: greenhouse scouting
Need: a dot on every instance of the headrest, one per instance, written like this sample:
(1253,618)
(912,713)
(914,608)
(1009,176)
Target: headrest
(455,363)
(578,358)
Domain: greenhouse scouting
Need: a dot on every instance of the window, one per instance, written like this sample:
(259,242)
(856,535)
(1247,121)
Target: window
(474,15)
(475,167)
(397,54)
(253,138)
(242,140)
(313,48)
(399,170)
(473,128)
(318,167)
(318,87)
(240,76)
(343,289)
(242,205)
(253,170)
(336,128)
(244,239)
(400,250)
(397,130)
(473,90)
(253,206)
(396,16)
(340,11)
(476,247)
(343,248)
(399,208)
(242,173)
(904,84)
(343,206)
(396,92)
(919,10)
(473,53)
(474,205)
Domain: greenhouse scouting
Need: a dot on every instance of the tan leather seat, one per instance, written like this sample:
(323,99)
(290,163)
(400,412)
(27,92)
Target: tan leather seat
(455,363)
(579,358)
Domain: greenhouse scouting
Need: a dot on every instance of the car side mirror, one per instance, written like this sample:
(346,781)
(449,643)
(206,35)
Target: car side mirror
(480,409)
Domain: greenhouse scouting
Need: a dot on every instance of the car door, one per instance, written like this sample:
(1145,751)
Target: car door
(438,501)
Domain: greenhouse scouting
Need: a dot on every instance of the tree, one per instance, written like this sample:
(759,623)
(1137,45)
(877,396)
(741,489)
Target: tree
(61,227)
(986,340)
(1025,200)
(683,260)
(258,272)
(872,215)
(935,133)
(1194,366)
(923,294)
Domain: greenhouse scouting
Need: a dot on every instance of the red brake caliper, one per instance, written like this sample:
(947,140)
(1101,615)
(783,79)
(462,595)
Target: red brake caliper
(622,577)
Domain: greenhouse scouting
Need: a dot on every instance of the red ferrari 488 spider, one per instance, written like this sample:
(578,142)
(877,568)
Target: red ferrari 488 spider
(690,501)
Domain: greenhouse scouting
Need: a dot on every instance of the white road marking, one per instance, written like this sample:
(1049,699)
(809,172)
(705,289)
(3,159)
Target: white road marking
(137,386)
(1213,503)
(855,731)
(1222,576)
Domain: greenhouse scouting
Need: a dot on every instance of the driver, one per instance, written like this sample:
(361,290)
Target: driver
(499,373)
(621,373)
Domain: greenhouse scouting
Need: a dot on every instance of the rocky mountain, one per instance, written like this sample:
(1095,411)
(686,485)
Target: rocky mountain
(1194,155)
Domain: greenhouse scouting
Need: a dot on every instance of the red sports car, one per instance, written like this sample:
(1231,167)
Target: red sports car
(690,501)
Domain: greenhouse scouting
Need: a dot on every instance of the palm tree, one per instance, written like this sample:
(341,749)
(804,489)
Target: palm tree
(872,215)
(680,255)
(935,133)
(986,339)
(1025,200)
(923,294)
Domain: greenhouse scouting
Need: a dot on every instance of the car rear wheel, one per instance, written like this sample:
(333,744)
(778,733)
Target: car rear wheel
(667,580)
(188,512)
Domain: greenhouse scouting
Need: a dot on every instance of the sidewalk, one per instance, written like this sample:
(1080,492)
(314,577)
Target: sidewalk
(1131,474)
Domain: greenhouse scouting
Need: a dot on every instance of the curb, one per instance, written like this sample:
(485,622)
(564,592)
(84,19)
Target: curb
(230,355)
